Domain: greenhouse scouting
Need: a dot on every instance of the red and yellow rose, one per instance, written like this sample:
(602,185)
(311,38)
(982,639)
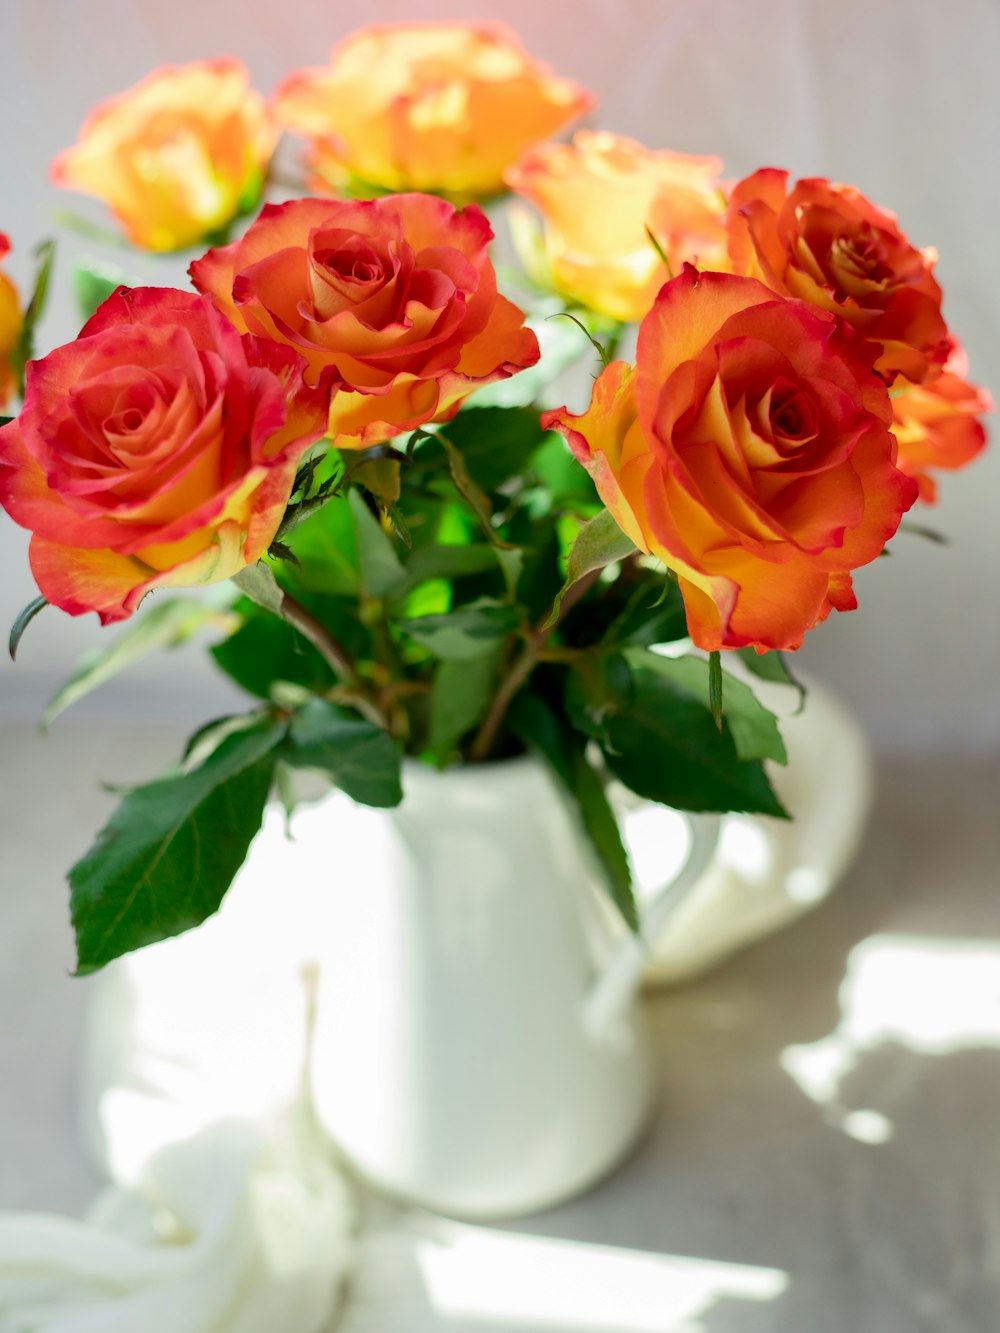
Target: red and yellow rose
(392,302)
(597,196)
(936,424)
(178,156)
(749,448)
(827,244)
(157,450)
(439,107)
(11,321)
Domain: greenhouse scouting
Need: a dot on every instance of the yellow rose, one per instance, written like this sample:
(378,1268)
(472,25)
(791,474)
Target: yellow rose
(178,156)
(443,108)
(597,196)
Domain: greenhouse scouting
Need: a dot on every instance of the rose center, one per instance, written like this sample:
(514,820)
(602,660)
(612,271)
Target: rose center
(793,420)
(126,417)
(859,255)
(350,266)
(129,420)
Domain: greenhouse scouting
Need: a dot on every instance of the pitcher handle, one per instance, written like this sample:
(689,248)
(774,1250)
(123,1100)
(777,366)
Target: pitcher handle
(616,985)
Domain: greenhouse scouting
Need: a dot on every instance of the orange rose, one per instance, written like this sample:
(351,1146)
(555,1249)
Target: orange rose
(178,156)
(936,423)
(749,449)
(597,197)
(11,320)
(441,107)
(829,245)
(157,450)
(392,302)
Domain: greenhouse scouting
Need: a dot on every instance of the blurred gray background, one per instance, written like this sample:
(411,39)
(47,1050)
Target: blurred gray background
(899,97)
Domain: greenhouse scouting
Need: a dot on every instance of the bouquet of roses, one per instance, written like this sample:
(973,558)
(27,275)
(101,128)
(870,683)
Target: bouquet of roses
(428,554)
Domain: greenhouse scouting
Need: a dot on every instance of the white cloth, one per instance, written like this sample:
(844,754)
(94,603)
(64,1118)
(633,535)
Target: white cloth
(228,1212)
(228,1232)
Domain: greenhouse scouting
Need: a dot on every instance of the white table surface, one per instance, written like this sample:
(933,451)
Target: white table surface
(750,1206)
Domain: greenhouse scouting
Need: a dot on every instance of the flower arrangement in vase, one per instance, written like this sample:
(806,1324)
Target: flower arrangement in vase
(428,555)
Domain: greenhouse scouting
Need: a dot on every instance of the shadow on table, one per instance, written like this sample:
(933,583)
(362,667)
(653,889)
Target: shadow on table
(829,1098)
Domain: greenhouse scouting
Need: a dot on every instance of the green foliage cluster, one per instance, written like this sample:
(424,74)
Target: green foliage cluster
(461,597)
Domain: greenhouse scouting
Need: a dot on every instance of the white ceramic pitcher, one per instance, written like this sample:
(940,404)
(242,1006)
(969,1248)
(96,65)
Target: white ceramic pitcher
(477,1047)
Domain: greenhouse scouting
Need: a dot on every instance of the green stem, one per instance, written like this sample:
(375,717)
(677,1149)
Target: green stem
(534,649)
(333,652)
(388,659)
(510,685)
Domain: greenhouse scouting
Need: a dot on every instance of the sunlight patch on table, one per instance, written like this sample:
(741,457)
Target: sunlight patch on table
(491,1275)
(930,996)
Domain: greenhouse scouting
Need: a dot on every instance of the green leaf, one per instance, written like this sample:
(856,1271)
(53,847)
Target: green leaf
(165,625)
(715,687)
(382,573)
(171,849)
(281,551)
(473,494)
(600,541)
(460,696)
(259,584)
(597,686)
(450,562)
(22,622)
(550,735)
(432,597)
(754,728)
(495,443)
(653,614)
(772,666)
(207,738)
(464,633)
(511,562)
(666,747)
(24,349)
(381,477)
(286,793)
(358,757)
(266,649)
(64,217)
(541,575)
(922,530)
(316,485)
(562,476)
(94,280)
(602,825)
(326,546)
(400,526)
